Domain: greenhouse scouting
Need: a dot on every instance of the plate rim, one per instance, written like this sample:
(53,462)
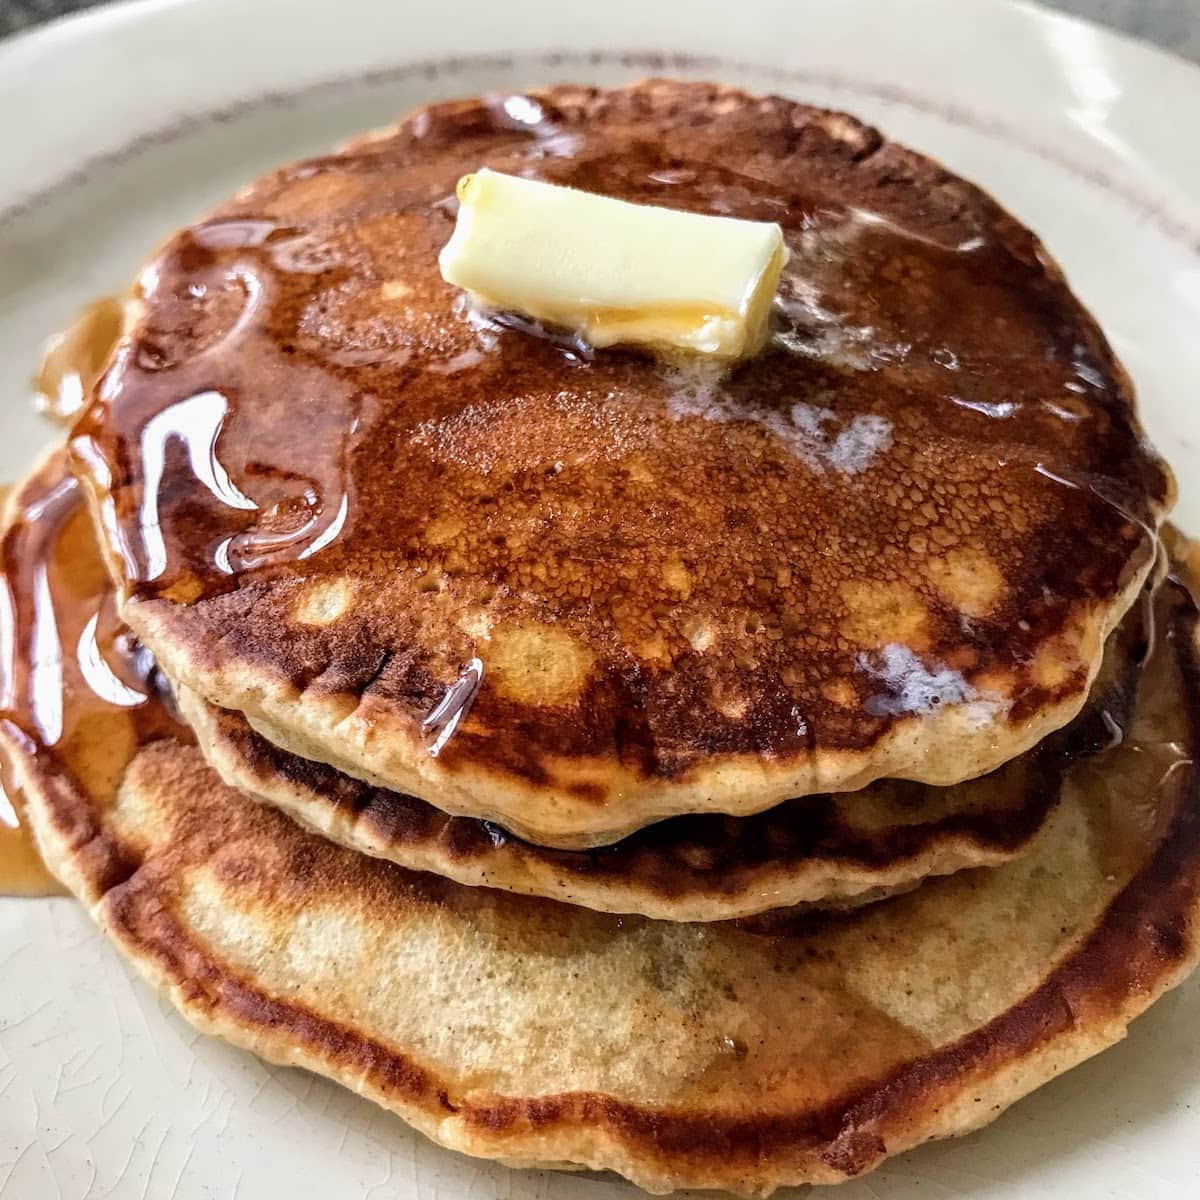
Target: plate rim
(32,58)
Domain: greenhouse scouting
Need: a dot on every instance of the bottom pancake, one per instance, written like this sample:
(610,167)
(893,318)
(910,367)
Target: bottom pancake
(701,1055)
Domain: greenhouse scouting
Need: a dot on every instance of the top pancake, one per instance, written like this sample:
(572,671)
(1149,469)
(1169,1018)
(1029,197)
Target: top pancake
(578,593)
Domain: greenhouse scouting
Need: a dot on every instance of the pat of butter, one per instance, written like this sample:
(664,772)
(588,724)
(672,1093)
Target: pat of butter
(615,272)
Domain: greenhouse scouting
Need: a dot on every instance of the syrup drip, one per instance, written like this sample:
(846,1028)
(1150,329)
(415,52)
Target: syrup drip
(449,713)
(1128,781)
(75,358)
(78,694)
(286,502)
(22,872)
(1132,777)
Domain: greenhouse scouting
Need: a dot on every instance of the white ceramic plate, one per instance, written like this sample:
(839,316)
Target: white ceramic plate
(119,125)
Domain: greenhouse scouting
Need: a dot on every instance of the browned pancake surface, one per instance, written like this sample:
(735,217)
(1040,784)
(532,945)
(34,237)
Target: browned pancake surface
(340,502)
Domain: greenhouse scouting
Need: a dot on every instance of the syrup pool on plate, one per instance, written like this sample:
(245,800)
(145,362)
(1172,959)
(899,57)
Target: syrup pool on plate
(76,689)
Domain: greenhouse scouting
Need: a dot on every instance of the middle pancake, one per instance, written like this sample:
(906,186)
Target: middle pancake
(825,851)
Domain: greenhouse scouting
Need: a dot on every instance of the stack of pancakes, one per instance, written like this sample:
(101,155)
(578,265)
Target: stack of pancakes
(725,778)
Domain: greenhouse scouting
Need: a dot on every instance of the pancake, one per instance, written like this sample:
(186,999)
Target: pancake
(831,851)
(715,1055)
(469,561)
(828,851)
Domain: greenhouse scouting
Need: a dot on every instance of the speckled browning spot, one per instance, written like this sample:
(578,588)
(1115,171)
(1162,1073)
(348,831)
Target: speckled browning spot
(185,589)
(443,529)
(968,580)
(476,625)
(324,602)
(839,692)
(318,188)
(677,577)
(1057,660)
(538,665)
(732,706)
(884,612)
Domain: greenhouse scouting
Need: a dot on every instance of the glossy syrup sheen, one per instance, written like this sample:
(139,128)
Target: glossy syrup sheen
(937,456)
(22,872)
(77,693)
(74,358)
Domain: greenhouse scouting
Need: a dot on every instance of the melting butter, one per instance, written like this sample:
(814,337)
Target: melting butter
(615,272)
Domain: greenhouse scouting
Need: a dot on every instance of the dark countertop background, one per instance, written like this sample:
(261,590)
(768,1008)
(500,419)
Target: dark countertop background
(1173,24)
